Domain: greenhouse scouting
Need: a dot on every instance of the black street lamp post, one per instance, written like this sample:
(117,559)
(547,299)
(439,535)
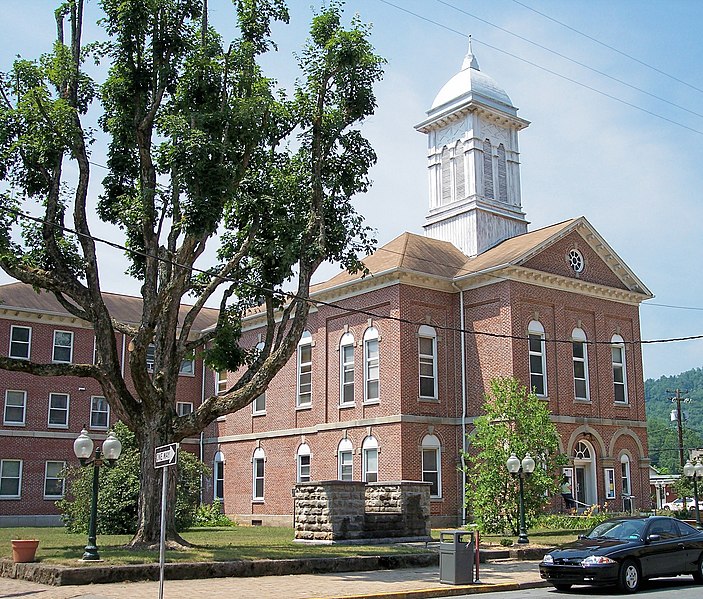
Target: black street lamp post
(107,456)
(694,473)
(521,469)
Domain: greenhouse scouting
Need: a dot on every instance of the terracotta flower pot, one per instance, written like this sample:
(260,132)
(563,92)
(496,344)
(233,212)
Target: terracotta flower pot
(23,550)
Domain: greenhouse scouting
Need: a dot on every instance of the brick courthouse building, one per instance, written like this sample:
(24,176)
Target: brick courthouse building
(385,386)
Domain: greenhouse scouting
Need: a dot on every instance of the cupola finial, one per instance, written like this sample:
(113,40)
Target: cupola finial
(470,60)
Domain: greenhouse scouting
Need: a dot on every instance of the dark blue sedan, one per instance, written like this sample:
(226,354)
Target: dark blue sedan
(625,551)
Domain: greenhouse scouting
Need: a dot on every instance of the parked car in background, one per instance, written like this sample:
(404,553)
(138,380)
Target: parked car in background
(623,552)
(677,504)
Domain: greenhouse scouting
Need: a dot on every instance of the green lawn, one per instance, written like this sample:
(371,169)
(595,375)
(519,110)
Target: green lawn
(56,546)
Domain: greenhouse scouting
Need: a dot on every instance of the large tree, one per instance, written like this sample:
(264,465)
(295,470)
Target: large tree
(202,149)
(515,422)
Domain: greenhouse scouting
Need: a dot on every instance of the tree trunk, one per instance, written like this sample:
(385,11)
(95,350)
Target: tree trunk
(149,518)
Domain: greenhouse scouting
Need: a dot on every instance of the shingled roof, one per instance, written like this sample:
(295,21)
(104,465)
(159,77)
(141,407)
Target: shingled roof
(124,308)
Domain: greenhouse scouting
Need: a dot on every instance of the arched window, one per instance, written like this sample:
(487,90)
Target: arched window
(488,169)
(369,449)
(446,176)
(617,350)
(218,476)
(538,358)
(502,175)
(258,461)
(427,354)
(346,369)
(303,461)
(345,460)
(431,464)
(371,365)
(304,397)
(580,360)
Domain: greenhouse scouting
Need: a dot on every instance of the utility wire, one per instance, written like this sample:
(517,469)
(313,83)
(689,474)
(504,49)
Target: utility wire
(546,70)
(597,41)
(318,302)
(572,60)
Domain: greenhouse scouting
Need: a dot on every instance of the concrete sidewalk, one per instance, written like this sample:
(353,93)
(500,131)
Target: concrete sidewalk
(406,583)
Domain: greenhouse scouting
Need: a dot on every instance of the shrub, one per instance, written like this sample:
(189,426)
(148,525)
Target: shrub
(118,491)
(505,542)
(211,515)
(570,522)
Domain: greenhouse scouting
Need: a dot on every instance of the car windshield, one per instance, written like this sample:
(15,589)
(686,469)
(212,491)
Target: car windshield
(621,530)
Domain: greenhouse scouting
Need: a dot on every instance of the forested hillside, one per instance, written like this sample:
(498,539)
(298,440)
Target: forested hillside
(661,430)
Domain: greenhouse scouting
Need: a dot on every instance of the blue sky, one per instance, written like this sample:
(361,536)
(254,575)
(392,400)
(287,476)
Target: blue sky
(635,176)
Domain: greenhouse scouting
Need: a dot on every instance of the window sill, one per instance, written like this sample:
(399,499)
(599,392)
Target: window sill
(428,399)
(10,497)
(189,374)
(17,424)
(305,407)
(621,404)
(63,426)
(25,358)
(582,400)
(258,501)
(346,406)
(98,428)
(52,497)
(372,402)
(257,414)
(436,499)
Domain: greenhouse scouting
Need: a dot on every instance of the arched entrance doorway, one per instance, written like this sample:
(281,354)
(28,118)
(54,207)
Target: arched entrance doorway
(585,488)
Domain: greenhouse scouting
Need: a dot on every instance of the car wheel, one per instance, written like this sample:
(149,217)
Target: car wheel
(629,577)
(562,587)
(698,574)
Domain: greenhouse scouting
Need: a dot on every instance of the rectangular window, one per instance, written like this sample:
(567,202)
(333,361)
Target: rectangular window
(430,470)
(10,479)
(347,374)
(371,370)
(625,473)
(58,410)
(346,460)
(619,382)
(580,375)
(304,468)
(183,408)
(20,342)
(63,346)
(259,405)
(221,383)
(99,412)
(187,367)
(610,483)
(15,407)
(219,476)
(538,377)
(259,478)
(371,465)
(304,374)
(54,480)
(428,379)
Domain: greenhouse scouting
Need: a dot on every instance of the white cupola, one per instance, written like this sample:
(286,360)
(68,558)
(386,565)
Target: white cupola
(473,161)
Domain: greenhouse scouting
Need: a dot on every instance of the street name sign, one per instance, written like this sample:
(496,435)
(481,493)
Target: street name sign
(166,455)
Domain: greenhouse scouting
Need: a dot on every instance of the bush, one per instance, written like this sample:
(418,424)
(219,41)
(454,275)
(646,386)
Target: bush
(570,522)
(211,515)
(506,542)
(118,491)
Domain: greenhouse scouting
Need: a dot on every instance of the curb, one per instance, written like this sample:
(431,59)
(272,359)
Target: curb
(449,591)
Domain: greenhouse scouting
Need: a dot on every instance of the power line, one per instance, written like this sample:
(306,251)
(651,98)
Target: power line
(614,49)
(318,302)
(572,60)
(547,70)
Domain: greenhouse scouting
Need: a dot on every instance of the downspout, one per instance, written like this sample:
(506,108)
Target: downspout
(464,439)
(202,433)
(124,348)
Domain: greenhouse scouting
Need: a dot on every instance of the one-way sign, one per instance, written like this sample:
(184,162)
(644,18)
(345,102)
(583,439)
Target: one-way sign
(166,455)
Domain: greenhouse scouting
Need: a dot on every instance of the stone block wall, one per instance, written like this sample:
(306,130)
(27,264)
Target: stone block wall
(328,511)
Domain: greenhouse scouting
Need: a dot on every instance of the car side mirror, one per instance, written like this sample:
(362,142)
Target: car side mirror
(653,538)
(581,537)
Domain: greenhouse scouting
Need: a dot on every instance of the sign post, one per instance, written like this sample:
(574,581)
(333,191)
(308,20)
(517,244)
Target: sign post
(164,456)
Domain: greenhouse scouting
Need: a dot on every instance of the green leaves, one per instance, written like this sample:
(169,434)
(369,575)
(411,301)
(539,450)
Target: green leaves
(518,422)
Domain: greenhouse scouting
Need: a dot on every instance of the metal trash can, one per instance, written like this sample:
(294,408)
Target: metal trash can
(456,556)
